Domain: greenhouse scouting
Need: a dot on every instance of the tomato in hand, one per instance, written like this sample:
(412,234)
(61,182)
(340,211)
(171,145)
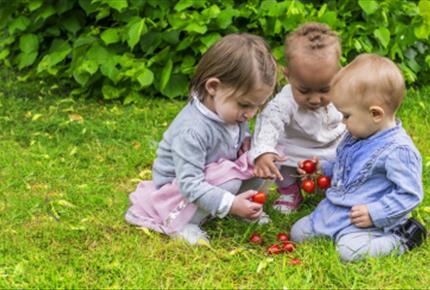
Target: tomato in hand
(308,185)
(256,239)
(288,247)
(309,166)
(282,237)
(324,182)
(259,197)
(274,250)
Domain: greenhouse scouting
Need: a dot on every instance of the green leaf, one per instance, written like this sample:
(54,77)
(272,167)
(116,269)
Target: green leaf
(185,43)
(176,87)
(187,65)
(71,24)
(132,97)
(118,5)
(196,27)
(109,69)
(89,66)
(424,9)
(4,53)
(210,39)
(98,53)
(136,28)
(330,17)
(20,23)
(224,18)
(59,50)
(45,13)
(422,31)
(211,12)
(145,78)
(110,92)
(383,35)
(110,35)
(165,74)
(26,59)
(34,4)
(184,4)
(368,6)
(29,43)
(81,77)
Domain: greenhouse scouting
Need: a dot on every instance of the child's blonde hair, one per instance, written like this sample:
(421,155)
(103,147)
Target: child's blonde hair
(313,39)
(372,80)
(238,60)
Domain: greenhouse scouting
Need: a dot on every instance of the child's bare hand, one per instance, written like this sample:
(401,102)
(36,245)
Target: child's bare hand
(360,216)
(266,168)
(246,145)
(242,205)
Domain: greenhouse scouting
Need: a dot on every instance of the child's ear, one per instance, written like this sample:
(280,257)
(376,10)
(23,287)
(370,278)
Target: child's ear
(212,85)
(377,113)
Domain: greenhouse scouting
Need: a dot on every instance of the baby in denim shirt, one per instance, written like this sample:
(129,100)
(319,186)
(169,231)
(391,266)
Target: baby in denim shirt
(376,176)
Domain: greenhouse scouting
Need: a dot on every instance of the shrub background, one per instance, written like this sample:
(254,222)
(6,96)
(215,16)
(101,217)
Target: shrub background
(124,49)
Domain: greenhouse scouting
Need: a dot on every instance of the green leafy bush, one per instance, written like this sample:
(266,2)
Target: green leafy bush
(125,48)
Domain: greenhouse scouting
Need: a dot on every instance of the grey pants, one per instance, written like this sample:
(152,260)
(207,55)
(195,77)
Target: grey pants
(353,246)
(234,186)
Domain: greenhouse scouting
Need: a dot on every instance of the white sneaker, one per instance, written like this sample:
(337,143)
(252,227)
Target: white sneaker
(264,219)
(192,234)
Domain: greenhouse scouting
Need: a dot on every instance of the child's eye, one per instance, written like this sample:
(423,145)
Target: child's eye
(303,91)
(245,106)
(345,117)
(325,90)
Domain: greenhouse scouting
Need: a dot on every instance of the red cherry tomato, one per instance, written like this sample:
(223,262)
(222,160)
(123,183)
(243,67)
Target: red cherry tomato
(308,185)
(259,197)
(309,166)
(295,261)
(274,250)
(324,182)
(256,239)
(288,247)
(282,237)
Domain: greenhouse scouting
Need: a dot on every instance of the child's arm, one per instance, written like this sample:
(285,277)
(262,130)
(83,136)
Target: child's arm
(403,169)
(189,156)
(270,125)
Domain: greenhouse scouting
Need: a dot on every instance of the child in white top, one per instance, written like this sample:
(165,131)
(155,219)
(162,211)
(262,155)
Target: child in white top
(232,80)
(300,122)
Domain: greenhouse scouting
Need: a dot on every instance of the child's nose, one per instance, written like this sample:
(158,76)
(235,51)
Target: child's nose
(315,99)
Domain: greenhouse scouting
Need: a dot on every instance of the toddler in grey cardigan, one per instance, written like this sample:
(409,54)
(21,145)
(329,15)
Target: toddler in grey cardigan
(232,80)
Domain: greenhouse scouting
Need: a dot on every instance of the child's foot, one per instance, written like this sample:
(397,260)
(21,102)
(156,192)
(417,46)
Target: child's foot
(289,200)
(192,234)
(412,232)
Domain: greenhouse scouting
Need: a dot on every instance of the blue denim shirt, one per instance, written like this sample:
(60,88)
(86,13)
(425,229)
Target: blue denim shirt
(382,172)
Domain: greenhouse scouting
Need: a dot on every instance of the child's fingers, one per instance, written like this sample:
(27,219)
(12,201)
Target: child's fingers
(248,194)
(257,214)
(278,174)
(280,158)
(267,171)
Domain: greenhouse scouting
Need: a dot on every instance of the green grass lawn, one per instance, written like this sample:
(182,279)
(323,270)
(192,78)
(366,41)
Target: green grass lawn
(67,166)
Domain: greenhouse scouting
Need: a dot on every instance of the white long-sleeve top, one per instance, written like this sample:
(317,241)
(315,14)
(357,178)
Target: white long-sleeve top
(286,129)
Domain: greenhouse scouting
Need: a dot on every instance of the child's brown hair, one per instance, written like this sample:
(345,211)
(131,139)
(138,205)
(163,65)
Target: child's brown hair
(238,60)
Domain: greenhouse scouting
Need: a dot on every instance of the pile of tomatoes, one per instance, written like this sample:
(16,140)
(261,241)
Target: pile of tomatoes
(312,177)
(283,245)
